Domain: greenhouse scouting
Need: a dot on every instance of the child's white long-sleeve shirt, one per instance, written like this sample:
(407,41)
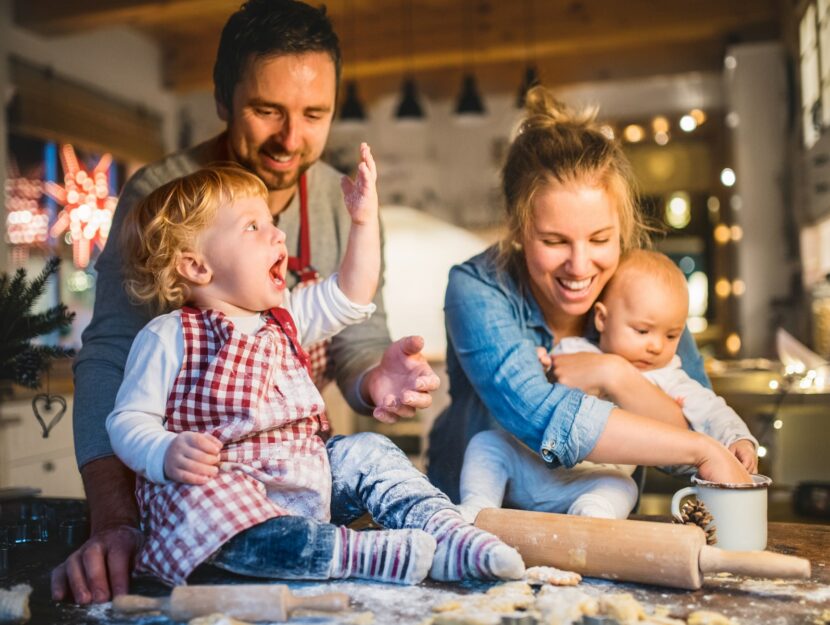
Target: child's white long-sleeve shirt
(136,424)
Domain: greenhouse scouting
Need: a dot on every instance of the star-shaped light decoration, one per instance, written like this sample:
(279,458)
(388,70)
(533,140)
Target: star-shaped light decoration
(87,205)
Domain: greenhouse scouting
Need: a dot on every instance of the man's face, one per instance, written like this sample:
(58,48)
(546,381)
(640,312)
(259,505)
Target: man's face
(282,112)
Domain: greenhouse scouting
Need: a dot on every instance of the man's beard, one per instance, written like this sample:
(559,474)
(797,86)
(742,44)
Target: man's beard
(279,181)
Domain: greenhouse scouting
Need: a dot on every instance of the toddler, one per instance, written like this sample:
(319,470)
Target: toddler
(218,416)
(640,317)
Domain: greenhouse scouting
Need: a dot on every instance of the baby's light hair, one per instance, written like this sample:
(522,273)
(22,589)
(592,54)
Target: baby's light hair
(653,264)
(167,223)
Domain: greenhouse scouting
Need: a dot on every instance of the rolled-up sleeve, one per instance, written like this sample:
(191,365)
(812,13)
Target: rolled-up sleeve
(498,356)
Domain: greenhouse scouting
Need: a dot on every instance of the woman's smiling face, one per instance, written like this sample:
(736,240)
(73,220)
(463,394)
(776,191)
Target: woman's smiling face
(571,248)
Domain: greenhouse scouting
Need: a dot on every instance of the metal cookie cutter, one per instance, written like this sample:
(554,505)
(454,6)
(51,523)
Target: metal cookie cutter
(598,620)
(519,619)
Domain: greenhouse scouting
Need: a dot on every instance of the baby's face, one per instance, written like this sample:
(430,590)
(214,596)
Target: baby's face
(247,256)
(643,325)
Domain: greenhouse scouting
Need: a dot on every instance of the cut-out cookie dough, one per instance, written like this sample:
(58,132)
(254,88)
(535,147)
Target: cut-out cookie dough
(468,617)
(622,607)
(564,606)
(14,604)
(501,599)
(538,575)
(707,617)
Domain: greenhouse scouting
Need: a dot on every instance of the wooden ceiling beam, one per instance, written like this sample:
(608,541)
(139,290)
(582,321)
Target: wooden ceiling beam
(61,17)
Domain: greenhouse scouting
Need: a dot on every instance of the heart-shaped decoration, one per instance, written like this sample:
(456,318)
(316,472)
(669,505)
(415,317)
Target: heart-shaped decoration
(51,407)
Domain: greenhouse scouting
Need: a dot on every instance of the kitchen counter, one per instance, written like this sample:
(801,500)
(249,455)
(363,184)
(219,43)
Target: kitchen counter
(746,600)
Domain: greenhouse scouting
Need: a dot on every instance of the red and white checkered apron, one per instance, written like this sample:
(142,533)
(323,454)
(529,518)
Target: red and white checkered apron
(322,368)
(253,393)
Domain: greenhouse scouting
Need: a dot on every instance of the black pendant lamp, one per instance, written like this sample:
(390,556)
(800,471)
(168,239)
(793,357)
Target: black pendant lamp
(409,107)
(531,79)
(469,100)
(352,108)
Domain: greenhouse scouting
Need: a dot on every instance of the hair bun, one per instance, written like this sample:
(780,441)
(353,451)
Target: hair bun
(544,111)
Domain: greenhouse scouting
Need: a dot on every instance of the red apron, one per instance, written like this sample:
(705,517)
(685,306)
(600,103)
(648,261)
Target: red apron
(322,369)
(253,393)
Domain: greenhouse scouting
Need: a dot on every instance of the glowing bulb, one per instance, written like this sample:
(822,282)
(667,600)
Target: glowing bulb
(688,123)
(722,233)
(736,232)
(778,424)
(678,213)
(633,133)
(727,177)
(660,124)
(723,288)
(698,115)
(661,138)
(738,287)
(733,344)
(762,451)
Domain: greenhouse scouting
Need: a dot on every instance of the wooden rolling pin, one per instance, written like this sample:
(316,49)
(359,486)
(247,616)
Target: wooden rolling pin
(249,602)
(664,554)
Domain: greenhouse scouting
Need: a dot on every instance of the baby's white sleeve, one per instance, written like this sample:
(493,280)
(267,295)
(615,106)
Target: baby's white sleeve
(322,310)
(136,424)
(705,411)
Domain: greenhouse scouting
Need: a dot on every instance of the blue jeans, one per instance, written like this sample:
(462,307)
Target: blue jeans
(369,474)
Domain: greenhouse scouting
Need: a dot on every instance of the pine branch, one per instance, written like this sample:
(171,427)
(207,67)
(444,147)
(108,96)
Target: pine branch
(20,360)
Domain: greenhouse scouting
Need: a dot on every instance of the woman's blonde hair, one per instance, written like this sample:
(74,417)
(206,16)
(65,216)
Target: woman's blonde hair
(167,223)
(555,144)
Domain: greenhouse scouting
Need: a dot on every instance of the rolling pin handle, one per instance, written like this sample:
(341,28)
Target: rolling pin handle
(131,604)
(753,563)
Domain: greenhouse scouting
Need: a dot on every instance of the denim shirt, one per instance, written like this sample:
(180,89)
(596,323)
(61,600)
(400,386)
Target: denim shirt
(493,328)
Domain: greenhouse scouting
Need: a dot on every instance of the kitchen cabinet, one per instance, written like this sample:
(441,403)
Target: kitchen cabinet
(27,459)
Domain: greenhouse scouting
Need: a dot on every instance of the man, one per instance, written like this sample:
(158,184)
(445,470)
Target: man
(275,79)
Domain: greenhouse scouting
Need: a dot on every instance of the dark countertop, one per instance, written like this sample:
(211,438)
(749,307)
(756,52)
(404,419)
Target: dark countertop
(753,601)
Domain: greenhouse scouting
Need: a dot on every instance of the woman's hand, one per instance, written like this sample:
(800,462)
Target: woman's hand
(744,451)
(613,378)
(586,371)
(719,465)
(192,458)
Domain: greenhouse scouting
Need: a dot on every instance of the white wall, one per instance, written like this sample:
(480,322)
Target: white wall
(757,92)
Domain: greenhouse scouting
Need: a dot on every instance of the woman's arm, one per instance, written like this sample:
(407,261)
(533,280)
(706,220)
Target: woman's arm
(634,439)
(495,343)
(613,377)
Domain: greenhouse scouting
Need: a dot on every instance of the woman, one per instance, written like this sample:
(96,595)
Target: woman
(571,213)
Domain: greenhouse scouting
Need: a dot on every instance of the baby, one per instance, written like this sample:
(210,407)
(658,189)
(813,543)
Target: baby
(219,417)
(640,316)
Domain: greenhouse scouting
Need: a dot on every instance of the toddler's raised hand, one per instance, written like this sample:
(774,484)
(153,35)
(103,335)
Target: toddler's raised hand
(361,194)
(744,451)
(192,458)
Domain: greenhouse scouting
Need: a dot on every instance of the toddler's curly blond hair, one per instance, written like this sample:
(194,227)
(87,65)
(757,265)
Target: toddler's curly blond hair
(167,223)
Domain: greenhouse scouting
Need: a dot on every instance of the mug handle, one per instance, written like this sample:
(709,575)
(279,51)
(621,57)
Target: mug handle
(680,496)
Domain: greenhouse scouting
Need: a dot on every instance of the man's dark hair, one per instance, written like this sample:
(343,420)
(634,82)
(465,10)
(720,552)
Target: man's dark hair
(265,28)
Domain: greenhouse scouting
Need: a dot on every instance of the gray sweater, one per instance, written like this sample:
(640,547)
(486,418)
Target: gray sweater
(99,367)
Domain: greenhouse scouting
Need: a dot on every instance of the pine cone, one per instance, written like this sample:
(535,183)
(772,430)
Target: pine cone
(694,512)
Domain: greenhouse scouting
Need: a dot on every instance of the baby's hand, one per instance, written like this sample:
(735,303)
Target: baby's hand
(544,359)
(192,458)
(361,194)
(744,451)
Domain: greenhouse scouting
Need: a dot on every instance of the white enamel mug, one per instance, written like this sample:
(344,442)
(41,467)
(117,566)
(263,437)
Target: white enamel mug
(739,511)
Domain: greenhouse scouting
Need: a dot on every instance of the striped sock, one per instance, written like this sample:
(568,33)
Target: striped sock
(465,551)
(396,556)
